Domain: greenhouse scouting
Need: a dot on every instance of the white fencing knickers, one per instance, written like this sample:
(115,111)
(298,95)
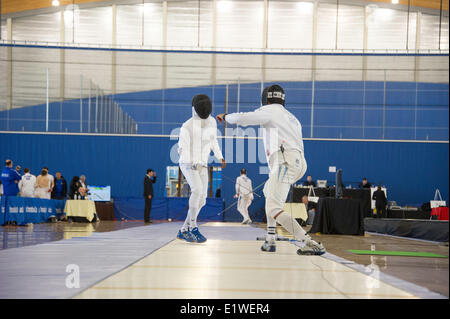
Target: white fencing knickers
(284,171)
(244,202)
(198,182)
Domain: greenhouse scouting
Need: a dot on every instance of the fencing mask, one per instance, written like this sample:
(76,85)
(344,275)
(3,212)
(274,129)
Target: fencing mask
(202,105)
(273,94)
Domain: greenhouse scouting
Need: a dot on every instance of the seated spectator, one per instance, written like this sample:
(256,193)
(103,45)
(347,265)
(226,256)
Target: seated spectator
(74,188)
(310,208)
(27,183)
(10,179)
(43,185)
(309,182)
(365,184)
(60,189)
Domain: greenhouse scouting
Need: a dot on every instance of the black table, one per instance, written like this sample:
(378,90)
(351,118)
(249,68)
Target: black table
(408,214)
(354,193)
(339,216)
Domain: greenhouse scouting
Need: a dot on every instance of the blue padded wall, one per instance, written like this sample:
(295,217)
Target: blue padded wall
(411,171)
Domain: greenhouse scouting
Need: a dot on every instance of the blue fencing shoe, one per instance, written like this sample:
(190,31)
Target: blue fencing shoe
(199,238)
(185,236)
(269,246)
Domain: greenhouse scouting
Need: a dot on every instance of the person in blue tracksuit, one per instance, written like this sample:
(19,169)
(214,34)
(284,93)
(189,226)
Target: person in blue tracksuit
(10,179)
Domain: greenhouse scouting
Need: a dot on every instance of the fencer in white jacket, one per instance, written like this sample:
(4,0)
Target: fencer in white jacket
(198,137)
(244,194)
(27,184)
(283,143)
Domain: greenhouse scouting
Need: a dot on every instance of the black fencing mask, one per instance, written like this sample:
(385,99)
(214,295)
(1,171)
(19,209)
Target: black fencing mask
(202,105)
(273,94)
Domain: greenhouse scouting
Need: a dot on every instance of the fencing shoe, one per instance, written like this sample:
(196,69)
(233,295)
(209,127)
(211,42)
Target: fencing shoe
(269,246)
(196,236)
(246,221)
(311,248)
(185,236)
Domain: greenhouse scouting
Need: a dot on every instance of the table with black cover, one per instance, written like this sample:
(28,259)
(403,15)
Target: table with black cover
(354,193)
(408,214)
(339,216)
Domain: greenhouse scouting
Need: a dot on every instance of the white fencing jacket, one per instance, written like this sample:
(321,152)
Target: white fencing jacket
(26,184)
(243,185)
(280,127)
(197,139)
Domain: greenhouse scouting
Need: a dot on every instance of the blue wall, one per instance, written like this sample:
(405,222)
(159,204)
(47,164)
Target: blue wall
(341,109)
(411,171)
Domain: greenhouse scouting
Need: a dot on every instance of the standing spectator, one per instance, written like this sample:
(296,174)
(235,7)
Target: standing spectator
(60,189)
(74,188)
(310,208)
(84,190)
(380,202)
(43,185)
(27,184)
(51,178)
(365,183)
(309,182)
(149,180)
(10,179)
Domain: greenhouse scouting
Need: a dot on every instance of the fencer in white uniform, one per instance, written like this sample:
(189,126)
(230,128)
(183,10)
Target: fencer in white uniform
(244,194)
(283,143)
(27,184)
(198,137)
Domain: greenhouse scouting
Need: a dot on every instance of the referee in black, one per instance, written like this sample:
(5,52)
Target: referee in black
(149,179)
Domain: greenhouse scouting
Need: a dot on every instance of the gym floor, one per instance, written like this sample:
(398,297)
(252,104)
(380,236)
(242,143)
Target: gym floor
(230,264)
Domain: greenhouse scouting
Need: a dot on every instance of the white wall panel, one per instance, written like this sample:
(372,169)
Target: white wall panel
(93,65)
(94,25)
(182,23)
(138,71)
(29,75)
(206,24)
(184,70)
(153,30)
(386,29)
(338,68)
(230,67)
(240,24)
(129,24)
(350,27)
(412,30)
(326,26)
(43,27)
(288,68)
(3,33)
(444,32)
(290,25)
(3,77)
